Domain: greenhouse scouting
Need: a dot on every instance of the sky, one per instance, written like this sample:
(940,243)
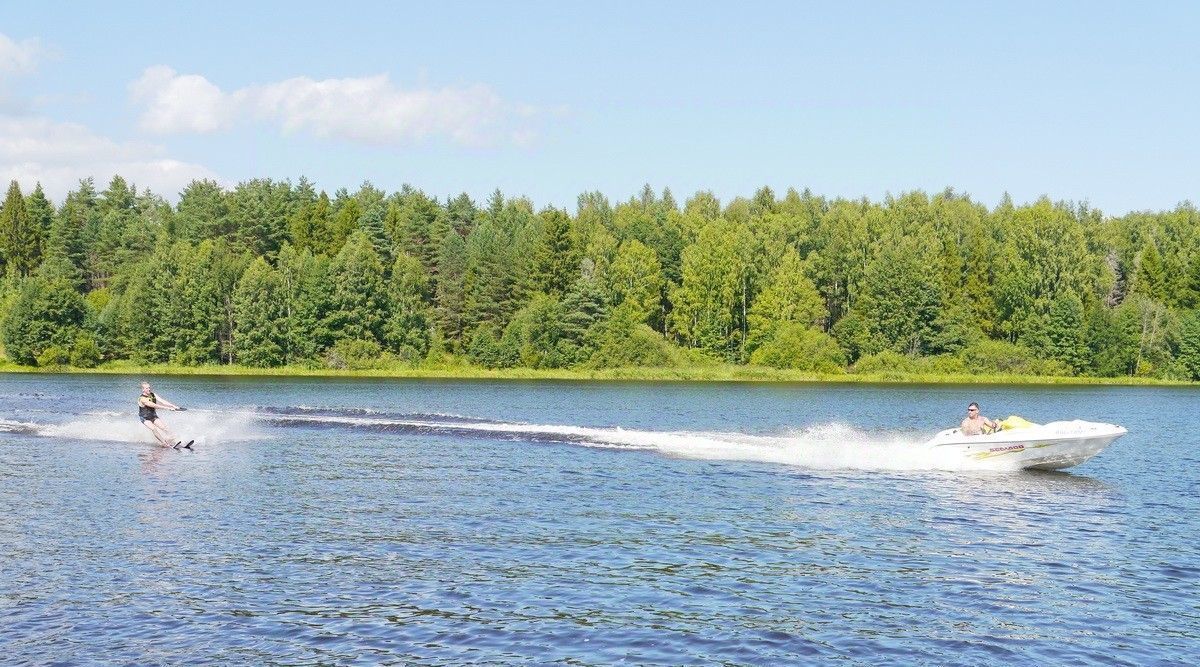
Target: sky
(1087,101)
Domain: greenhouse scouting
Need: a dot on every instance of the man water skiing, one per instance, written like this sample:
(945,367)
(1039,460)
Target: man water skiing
(148,405)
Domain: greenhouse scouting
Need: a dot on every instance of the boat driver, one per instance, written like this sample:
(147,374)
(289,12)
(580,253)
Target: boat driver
(976,423)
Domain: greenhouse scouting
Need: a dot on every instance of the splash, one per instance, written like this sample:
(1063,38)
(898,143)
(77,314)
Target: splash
(203,426)
(832,446)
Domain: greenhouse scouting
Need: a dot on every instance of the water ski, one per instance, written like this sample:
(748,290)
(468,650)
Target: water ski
(180,445)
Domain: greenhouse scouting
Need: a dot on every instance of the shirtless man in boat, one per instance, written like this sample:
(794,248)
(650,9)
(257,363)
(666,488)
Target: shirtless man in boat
(977,424)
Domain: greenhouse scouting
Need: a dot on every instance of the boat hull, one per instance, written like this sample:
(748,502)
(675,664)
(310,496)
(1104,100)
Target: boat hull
(1052,446)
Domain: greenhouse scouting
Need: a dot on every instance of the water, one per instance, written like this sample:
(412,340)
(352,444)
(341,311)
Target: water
(419,522)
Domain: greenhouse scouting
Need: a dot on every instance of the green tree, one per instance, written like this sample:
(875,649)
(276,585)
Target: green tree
(196,308)
(418,224)
(71,228)
(793,345)
(1151,277)
(259,210)
(203,212)
(346,212)
(41,216)
(309,224)
(450,291)
(901,300)
(635,277)
(583,311)
(259,306)
(555,259)
(146,308)
(788,298)
(307,299)
(407,329)
(1067,332)
(1189,344)
(358,305)
(46,313)
(624,341)
(708,303)
(18,233)
(371,220)
(534,337)
(498,253)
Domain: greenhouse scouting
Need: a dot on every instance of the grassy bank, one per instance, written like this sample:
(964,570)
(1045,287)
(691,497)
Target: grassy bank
(704,373)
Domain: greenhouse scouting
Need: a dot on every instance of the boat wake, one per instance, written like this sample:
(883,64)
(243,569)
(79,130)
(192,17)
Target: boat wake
(831,446)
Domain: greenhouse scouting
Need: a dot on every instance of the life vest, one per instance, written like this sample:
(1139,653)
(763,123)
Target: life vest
(146,412)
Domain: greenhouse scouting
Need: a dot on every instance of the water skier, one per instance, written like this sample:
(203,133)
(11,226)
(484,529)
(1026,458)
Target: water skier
(148,404)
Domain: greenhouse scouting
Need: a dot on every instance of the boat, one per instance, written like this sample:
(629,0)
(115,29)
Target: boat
(1025,445)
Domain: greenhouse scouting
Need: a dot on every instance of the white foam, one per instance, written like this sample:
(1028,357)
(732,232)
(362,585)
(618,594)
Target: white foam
(203,426)
(831,446)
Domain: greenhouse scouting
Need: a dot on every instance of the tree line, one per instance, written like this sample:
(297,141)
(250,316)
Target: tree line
(273,273)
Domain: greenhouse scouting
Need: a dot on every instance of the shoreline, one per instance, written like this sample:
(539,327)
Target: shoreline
(717,373)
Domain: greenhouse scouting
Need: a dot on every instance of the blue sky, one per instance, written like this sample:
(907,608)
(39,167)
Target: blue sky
(1080,101)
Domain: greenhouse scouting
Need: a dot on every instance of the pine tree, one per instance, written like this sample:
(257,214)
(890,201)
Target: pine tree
(18,234)
(41,216)
(584,309)
(358,307)
(69,230)
(901,299)
(203,212)
(145,309)
(371,224)
(1151,277)
(418,225)
(461,214)
(407,329)
(555,258)
(343,223)
(259,211)
(197,313)
(304,225)
(450,297)
(258,305)
(1067,333)
(307,298)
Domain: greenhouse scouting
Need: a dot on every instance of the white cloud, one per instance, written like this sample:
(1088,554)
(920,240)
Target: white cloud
(18,57)
(176,103)
(58,154)
(370,110)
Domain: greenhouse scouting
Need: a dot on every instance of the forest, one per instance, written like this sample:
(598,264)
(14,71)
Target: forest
(274,273)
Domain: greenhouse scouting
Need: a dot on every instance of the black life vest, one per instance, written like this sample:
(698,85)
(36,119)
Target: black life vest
(146,412)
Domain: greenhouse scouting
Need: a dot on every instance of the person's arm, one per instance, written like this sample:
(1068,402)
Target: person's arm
(162,402)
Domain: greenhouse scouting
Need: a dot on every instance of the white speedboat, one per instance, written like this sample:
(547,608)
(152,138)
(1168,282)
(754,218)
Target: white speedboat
(1050,446)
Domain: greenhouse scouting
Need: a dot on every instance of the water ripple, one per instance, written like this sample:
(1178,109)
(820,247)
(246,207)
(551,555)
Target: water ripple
(340,544)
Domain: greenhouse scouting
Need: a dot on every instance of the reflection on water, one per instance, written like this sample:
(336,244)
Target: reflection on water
(446,523)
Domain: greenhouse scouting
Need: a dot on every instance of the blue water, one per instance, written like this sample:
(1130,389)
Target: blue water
(367,522)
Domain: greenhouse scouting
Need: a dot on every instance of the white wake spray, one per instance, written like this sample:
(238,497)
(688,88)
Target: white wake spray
(202,426)
(832,446)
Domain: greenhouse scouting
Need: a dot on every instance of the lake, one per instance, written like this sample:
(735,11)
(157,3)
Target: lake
(349,522)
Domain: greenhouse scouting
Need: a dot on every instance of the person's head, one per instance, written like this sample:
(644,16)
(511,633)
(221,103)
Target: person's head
(972,409)
(145,388)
